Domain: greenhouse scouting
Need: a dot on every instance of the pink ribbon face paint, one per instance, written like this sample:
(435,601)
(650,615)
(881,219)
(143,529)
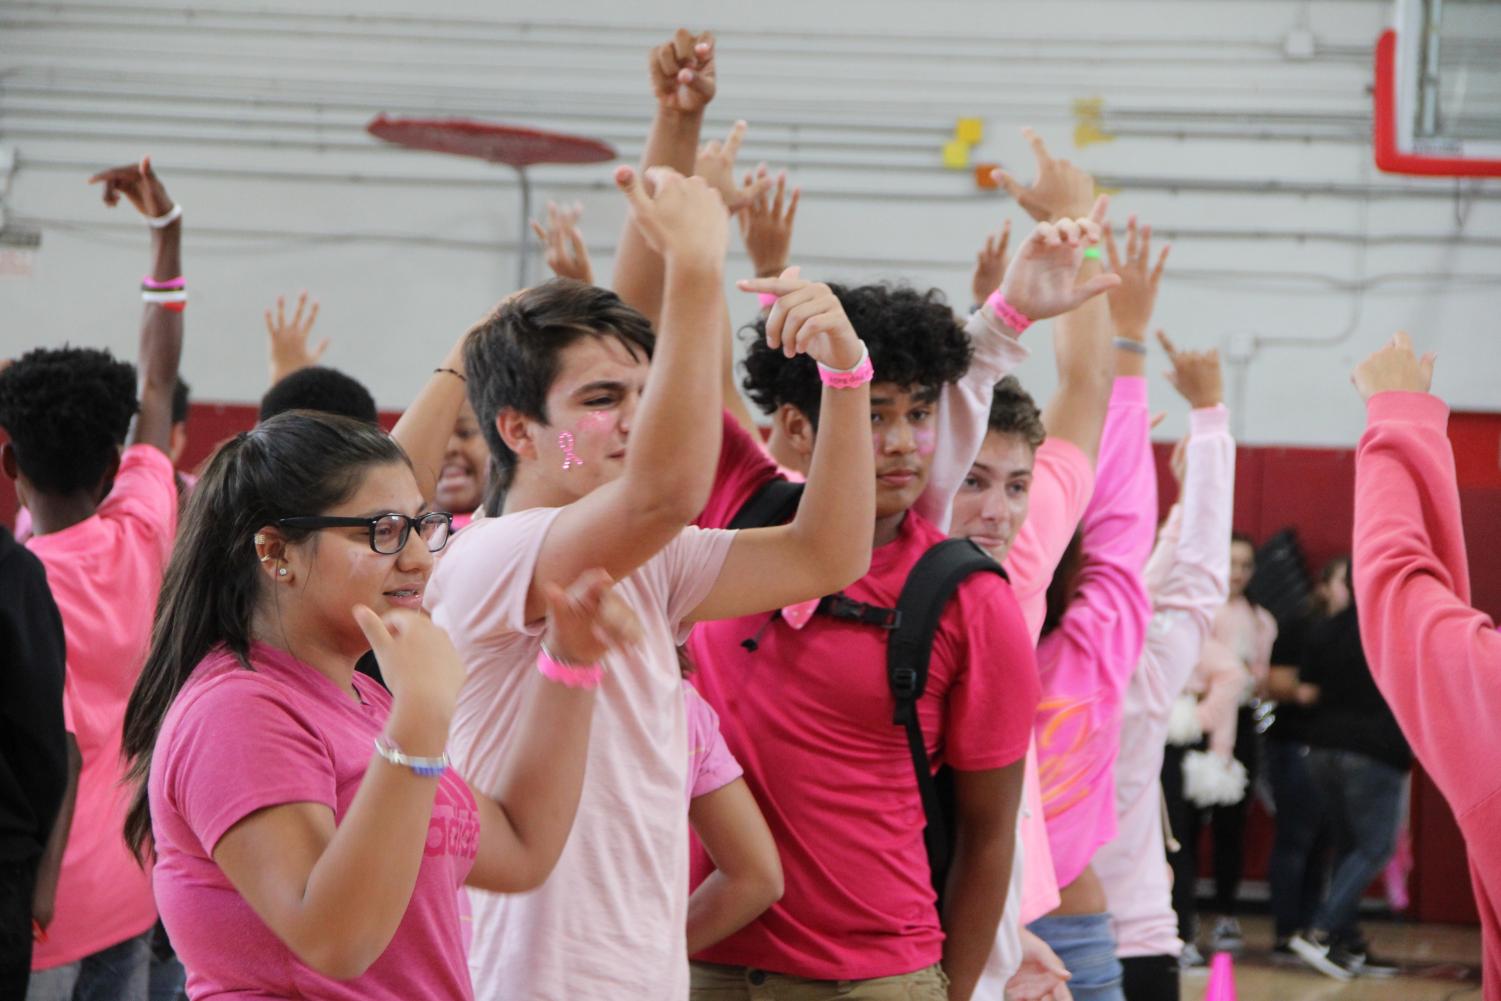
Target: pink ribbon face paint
(565,444)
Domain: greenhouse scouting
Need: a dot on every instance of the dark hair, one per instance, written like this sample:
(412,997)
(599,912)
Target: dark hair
(1061,588)
(326,390)
(67,411)
(297,463)
(511,356)
(913,338)
(1337,566)
(180,393)
(1013,411)
(1242,537)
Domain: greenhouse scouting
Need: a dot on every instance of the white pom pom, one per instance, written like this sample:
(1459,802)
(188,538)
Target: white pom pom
(1183,722)
(1210,780)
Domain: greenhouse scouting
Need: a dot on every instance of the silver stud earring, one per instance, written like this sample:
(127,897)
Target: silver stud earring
(282,572)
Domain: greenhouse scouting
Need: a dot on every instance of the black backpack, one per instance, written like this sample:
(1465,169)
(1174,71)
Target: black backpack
(911,627)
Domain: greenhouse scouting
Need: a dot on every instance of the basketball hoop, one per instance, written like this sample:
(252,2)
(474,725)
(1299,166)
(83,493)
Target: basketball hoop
(512,145)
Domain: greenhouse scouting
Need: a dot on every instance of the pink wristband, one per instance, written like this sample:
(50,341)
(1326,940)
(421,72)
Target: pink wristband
(767,299)
(852,378)
(151,284)
(1010,315)
(567,674)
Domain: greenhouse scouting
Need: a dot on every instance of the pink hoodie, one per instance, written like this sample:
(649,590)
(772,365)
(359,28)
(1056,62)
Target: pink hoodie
(1187,578)
(1087,661)
(1436,660)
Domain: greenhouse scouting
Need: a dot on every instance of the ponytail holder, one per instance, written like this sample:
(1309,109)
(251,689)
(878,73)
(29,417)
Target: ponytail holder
(1009,314)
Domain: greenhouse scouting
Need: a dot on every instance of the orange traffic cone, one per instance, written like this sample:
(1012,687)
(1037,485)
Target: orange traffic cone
(1221,978)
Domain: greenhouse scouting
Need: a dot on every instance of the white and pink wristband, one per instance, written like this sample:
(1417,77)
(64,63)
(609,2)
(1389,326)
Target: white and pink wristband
(849,378)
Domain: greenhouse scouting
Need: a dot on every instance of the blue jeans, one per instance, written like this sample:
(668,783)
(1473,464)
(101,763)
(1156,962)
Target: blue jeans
(1363,797)
(117,973)
(1086,945)
(1296,870)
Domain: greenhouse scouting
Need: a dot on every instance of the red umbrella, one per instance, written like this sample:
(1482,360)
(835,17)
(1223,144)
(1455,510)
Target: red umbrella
(512,145)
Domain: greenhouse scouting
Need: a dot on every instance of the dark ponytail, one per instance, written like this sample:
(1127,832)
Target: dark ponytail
(297,463)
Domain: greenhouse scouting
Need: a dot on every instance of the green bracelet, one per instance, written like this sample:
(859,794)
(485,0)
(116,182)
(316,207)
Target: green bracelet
(1092,253)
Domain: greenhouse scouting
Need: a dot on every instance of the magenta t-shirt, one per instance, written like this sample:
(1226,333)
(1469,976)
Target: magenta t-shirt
(237,741)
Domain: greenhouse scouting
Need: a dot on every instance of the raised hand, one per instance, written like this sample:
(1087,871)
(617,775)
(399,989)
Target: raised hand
(1060,191)
(1131,303)
(287,340)
(588,620)
(990,264)
(1395,367)
(563,242)
(766,226)
(682,219)
(1178,461)
(807,318)
(139,184)
(715,163)
(682,72)
(423,671)
(1196,375)
(1042,281)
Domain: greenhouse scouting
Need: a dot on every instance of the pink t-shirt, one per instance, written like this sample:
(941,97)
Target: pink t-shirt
(611,920)
(105,574)
(1186,578)
(237,741)
(1086,662)
(711,766)
(808,715)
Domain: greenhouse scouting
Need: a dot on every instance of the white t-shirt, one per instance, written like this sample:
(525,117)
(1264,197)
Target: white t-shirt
(610,921)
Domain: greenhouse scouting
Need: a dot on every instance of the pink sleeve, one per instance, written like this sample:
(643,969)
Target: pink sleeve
(143,499)
(1436,660)
(711,766)
(1108,611)
(239,748)
(1063,480)
(692,563)
(744,467)
(1225,680)
(963,415)
(1187,576)
(478,591)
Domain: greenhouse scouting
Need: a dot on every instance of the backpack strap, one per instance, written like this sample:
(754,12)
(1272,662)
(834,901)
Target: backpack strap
(774,504)
(909,647)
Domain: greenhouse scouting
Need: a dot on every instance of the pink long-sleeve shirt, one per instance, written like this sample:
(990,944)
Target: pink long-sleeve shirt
(1087,661)
(1187,579)
(1436,660)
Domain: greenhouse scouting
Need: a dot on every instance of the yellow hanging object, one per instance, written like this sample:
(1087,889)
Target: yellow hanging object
(956,155)
(970,131)
(1089,122)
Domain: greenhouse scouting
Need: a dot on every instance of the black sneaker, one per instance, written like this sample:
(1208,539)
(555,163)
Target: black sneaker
(1314,951)
(1283,955)
(1361,962)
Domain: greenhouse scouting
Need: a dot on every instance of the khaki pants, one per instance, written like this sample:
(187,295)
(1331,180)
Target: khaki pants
(737,983)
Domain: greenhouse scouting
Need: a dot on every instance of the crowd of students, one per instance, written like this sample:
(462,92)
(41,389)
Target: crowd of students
(576,685)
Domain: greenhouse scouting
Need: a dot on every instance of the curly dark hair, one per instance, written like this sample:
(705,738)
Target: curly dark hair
(913,338)
(67,411)
(322,390)
(512,355)
(1013,411)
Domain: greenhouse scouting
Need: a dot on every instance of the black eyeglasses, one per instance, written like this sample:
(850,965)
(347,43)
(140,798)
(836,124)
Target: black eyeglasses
(388,532)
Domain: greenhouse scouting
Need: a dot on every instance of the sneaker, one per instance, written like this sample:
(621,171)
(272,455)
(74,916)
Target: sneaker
(1226,936)
(1191,960)
(1283,955)
(1314,951)
(1361,962)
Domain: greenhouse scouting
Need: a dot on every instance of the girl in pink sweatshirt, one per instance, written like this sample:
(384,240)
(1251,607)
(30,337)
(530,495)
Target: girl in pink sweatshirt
(1436,659)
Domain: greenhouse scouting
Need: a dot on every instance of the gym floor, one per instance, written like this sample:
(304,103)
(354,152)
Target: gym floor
(1439,963)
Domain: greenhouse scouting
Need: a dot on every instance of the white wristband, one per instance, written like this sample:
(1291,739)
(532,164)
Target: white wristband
(164,296)
(163,221)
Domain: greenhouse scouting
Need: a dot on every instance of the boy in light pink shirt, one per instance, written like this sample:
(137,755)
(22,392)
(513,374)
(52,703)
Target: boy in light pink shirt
(65,411)
(1436,659)
(1186,578)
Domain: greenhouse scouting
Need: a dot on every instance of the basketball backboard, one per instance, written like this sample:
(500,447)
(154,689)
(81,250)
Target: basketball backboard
(1437,97)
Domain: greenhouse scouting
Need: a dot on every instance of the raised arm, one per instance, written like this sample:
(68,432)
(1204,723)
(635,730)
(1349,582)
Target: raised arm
(1436,659)
(425,426)
(675,432)
(287,340)
(827,545)
(563,242)
(161,321)
(1043,282)
(683,77)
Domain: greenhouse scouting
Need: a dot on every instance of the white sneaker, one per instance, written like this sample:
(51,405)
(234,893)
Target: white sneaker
(1314,951)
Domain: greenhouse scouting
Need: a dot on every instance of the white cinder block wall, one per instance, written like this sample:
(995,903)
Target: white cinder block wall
(1290,251)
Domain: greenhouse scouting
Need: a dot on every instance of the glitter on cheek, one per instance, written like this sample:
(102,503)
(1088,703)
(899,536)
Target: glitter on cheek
(570,457)
(593,423)
(926,439)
